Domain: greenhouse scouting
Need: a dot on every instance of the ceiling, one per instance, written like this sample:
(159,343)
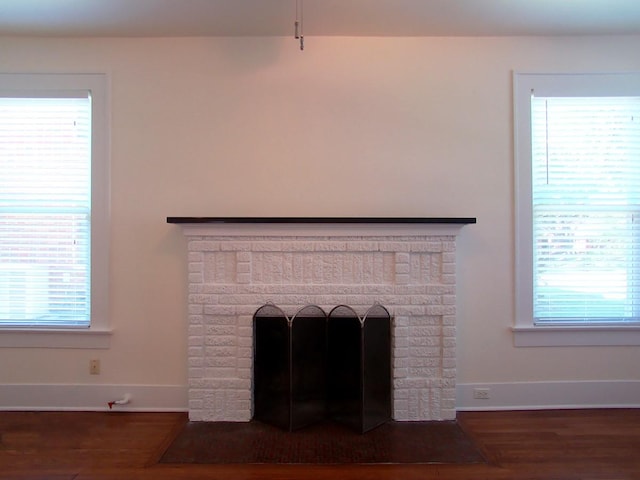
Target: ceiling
(321,17)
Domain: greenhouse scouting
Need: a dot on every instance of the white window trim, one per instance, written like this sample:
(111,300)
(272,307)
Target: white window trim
(526,334)
(98,334)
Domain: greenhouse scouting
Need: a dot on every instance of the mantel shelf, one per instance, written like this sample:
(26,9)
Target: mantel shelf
(323,220)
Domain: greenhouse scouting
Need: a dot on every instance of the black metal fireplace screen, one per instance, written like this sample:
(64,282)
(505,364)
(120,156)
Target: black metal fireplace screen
(313,367)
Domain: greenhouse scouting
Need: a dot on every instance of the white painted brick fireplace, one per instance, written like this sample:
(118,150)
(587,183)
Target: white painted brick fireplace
(235,268)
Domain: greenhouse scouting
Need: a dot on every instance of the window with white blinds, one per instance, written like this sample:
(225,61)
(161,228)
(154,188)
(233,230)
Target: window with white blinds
(48,170)
(45,211)
(586,208)
(578,199)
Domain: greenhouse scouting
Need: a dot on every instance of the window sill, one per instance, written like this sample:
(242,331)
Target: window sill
(54,338)
(576,336)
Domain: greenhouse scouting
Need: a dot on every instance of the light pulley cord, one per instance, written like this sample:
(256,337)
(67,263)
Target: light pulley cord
(299,23)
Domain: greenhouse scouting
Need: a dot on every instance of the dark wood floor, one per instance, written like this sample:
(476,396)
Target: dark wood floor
(550,445)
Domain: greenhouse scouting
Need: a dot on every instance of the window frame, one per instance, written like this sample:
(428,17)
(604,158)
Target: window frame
(97,335)
(526,333)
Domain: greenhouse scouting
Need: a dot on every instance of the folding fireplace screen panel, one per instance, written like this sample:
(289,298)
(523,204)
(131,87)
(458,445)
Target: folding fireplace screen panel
(314,366)
(359,367)
(289,367)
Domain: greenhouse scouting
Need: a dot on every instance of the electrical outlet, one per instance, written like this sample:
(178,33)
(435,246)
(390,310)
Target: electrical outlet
(94,366)
(481,393)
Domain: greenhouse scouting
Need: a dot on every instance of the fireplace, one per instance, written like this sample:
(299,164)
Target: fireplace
(236,265)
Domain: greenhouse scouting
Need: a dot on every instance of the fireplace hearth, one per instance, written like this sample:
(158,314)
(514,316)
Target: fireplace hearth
(235,266)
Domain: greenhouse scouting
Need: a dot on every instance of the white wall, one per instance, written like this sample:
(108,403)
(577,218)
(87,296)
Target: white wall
(350,126)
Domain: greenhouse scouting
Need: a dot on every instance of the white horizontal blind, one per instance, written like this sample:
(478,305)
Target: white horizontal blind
(45,211)
(586,209)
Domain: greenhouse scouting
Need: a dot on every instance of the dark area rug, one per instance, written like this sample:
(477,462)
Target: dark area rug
(325,443)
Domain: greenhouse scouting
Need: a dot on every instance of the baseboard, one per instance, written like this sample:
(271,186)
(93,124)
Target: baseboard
(143,398)
(173,398)
(549,395)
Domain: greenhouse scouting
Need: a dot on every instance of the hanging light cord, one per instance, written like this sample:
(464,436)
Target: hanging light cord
(299,24)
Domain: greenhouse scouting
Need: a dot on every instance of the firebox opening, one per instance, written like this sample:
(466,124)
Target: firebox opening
(313,367)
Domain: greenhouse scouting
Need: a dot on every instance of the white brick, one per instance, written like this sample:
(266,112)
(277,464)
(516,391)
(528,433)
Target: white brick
(403,258)
(332,246)
(401,353)
(400,362)
(362,246)
(195,267)
(449,352)
(417,352)
(401,341)
(196,330)
(449,331)
(449,268)
(194,257)
(449,246)
(196,351)
(219,310)
(196,309)
(402,405)
(204,246)
(413,276)
(196,362)
(449,257)
(243,267)
(449,342)
(448,299)
(196,277)
(411,383)
(220,362)
(402,268)
(400,372)
(244,352)
(204,299)
(220,351)
(235,245)
(448,279)
(220,372)
(244,364)
(423,372)
(449,320)
(448,362)
(244,257)
(220,330)
(424,362)
(267,247)
(394,247)
(218,340)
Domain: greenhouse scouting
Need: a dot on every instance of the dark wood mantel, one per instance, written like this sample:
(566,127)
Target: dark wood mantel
(325,220)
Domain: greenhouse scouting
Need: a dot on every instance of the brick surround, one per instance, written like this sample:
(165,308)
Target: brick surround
(235,269)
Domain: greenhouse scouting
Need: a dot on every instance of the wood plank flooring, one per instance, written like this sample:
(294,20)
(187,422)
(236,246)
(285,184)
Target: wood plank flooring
(531,445)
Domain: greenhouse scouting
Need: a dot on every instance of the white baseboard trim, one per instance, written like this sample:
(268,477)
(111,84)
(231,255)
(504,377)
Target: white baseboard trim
(173,398)
(550,395)
(143,398)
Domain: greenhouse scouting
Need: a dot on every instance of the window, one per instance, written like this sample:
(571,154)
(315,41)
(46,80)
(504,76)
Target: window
(577,141)
(53,210)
